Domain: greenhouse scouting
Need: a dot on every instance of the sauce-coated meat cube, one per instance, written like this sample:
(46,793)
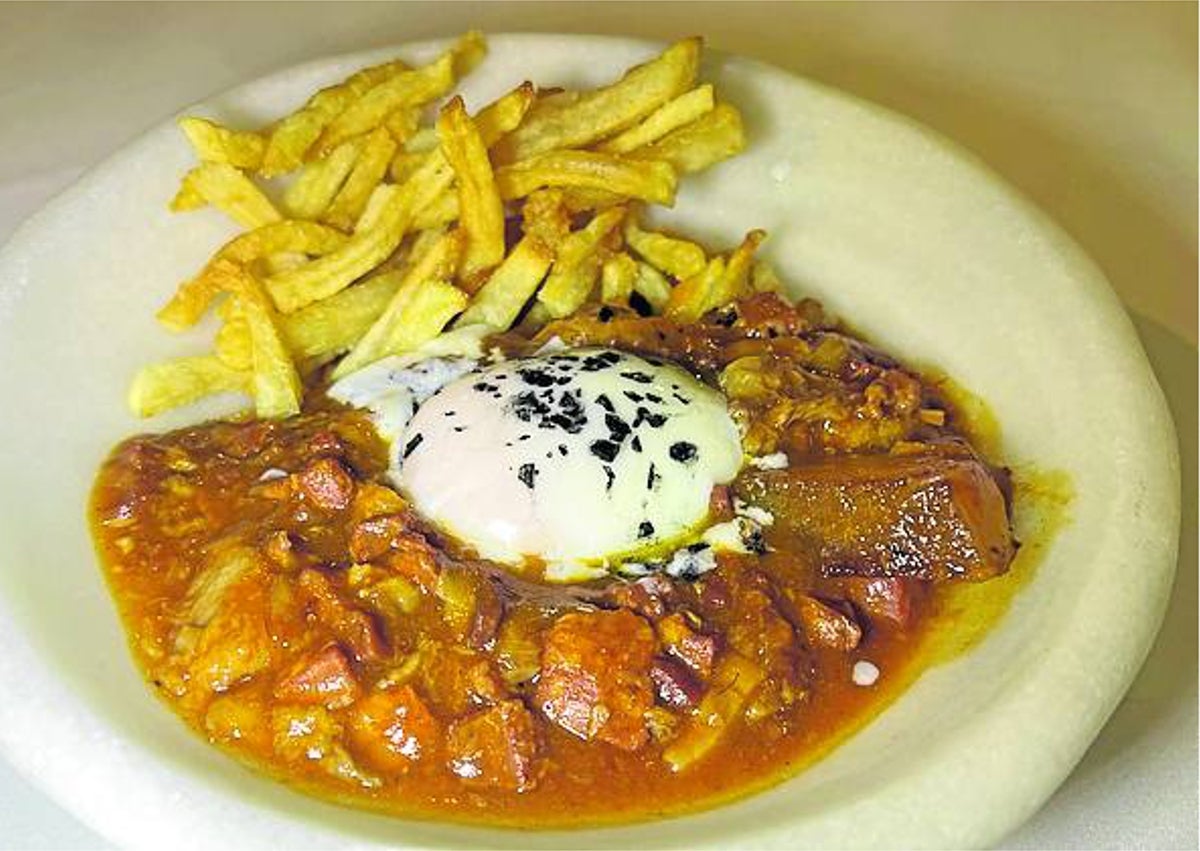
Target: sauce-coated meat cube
(595,676)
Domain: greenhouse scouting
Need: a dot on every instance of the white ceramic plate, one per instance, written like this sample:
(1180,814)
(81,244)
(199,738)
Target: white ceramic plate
(921,247)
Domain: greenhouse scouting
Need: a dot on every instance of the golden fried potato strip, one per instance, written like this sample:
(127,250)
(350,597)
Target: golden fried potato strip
(545,216)
(679,258)
(578,121)
(714,136)
(194,295)
(500,299)
(214,143)
(670,116)
(691,297)
(647,180)
(420,308)
(480,210)
(734,282)
(404,90)
(230,191)
(366,249)
(617,277)
(653,286)
(577,265)
(162,386)
(292,137)
(369,170)
(319,181)
(275,382)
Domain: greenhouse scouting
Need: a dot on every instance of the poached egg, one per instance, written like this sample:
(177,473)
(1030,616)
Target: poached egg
(582,458)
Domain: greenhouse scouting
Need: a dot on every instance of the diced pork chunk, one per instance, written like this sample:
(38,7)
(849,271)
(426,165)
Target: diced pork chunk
(326,677)
(495,748)
(595,676)
(353,627)
(683,641)
(887,598)
(825,626)
(326,484)
(392,730)
(674,684)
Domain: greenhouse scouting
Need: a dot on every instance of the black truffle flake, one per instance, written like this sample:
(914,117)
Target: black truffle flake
(411,446)
(605,450)
(683,452)
(645,529)
(527,473)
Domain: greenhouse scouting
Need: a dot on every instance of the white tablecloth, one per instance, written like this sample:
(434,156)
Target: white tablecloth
(1089,109)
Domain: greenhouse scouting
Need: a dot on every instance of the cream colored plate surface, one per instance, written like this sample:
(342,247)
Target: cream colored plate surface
(920,247)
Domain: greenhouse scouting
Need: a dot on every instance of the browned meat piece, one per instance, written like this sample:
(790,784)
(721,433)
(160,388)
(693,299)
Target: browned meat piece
(647,596)
(720,503)
(674,684)
(489,612)
(825,626)
(495,748)
(926,515)
(458,680)
(327,484)
(884,597)
(325,678)
(353,627)
(595,676)
(393,729)
(325,442)
(376,535)
(687,644)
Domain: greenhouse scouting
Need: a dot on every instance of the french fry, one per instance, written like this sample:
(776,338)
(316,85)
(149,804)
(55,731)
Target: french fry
(543,215)
(581,199)
(481,213)
(333,325)
(318,183)
(438,213)
(617,277)
(404,163)
(423,141)
(763,278)
(292,137)
(278,263)
(503,115)
(671,115)
(194,295)
(647,180)
(365,250)
(230,191)
(651,285)
(406,89)
(714,136)
(597,114)
(214,143)
(492,122)
(577,264)
(690,298)
(162,386)
(321,330)
(275,383)
(420,308)
(734,282)
(369,169)
(403,123)
(381,195)
(679,258)
(499,301)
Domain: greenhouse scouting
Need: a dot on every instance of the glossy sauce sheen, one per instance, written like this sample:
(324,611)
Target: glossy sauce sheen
(295,611)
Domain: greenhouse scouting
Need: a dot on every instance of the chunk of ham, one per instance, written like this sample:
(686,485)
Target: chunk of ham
(495,748)
(595,677)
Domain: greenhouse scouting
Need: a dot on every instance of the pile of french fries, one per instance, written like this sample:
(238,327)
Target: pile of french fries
(402,220)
